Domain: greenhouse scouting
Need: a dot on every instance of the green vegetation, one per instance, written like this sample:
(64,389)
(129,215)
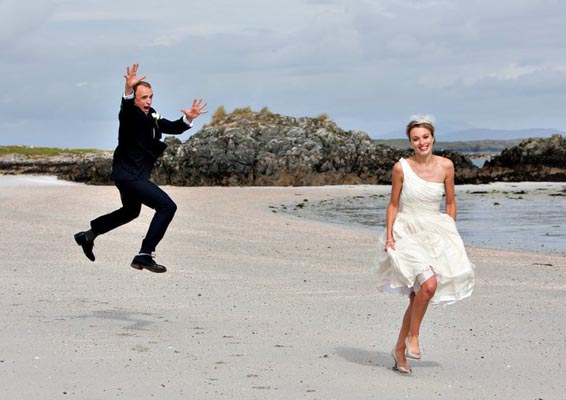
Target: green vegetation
(244,112)
(265,113)
(42,151)
(219,115)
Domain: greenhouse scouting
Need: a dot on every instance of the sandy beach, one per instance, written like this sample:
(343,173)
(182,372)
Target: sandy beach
(256,304)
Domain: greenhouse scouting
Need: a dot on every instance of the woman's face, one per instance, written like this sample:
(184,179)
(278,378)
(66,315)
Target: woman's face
(421,140)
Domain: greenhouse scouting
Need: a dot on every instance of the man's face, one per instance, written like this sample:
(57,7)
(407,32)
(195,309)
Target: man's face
(143,98)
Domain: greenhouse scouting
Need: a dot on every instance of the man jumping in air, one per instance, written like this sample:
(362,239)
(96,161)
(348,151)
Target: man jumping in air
(139,146)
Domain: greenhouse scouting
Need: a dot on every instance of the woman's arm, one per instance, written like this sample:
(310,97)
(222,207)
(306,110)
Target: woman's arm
(448,165)
(393,206)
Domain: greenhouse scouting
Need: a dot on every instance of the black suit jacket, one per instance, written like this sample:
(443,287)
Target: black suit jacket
(139,143)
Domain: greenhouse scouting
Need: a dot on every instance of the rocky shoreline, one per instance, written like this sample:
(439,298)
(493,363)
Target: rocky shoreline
(246,148)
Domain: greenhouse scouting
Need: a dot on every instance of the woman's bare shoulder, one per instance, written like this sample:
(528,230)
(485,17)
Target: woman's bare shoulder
(445,162)
(397,167)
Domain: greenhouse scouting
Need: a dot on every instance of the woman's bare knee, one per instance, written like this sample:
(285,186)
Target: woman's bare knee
(429,287)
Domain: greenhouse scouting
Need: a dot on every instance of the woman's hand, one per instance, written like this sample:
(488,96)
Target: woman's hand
(389,244)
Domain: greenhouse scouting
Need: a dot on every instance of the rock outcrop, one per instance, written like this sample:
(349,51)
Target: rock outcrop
(247,148)
(262,148)
(541,159)
(93,168)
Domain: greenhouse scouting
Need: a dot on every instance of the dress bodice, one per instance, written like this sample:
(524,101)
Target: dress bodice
(419,195)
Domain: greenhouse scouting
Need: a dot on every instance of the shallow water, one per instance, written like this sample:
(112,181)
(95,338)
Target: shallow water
(531,221)
(33,180)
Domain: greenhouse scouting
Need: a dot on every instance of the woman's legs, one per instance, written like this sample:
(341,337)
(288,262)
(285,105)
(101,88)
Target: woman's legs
(412,319)
(418,310)
(405,327)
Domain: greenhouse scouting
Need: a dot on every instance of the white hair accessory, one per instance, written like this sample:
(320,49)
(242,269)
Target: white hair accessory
(423,119)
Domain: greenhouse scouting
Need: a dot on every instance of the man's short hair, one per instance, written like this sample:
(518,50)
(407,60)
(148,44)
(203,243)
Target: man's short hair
(141,83)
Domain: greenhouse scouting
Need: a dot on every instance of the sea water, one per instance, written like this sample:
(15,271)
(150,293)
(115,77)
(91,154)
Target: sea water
(533,220)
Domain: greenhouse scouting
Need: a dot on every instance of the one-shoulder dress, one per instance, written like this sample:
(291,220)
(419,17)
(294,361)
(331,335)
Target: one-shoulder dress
(426,243)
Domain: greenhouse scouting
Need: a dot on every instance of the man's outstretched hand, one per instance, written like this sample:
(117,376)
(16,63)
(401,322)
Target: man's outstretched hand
(196,109)
(132,79)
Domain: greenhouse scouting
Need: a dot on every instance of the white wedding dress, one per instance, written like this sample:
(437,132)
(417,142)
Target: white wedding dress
(427,242)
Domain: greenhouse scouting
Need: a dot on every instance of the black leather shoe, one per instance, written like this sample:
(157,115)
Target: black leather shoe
(86,244)
(144,261)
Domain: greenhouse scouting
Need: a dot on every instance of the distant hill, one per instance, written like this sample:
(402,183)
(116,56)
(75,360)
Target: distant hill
(498,134)
(475,134)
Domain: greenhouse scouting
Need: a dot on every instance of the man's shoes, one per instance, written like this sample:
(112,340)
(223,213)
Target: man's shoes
(146,261)
(86,244)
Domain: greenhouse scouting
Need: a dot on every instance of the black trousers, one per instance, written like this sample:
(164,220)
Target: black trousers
(133,195)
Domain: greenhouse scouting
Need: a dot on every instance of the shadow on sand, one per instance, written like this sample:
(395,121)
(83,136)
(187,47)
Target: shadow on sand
(375,358)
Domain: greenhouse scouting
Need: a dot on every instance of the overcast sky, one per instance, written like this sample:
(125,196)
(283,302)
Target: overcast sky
(368,64)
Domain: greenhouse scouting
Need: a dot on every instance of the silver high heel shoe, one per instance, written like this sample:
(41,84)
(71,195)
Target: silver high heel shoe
(397,367)
(409,353)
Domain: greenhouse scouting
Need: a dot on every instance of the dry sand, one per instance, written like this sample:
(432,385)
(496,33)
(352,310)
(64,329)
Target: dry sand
(255,305)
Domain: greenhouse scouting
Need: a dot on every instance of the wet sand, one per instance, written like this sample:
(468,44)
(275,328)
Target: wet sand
(256,304)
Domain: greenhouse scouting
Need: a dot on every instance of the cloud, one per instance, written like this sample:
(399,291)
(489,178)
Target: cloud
(514,72)
(19,19)
(369,64)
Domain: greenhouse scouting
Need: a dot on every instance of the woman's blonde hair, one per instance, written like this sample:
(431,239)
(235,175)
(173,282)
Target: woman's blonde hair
(421,121)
